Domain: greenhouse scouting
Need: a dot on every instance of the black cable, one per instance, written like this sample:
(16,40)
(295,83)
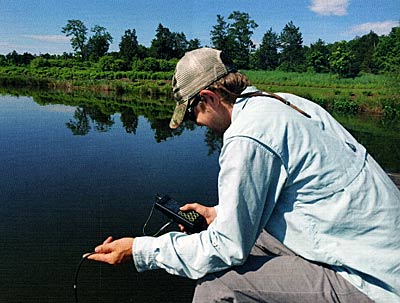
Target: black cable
(148,220)
(85,257)
(77,273)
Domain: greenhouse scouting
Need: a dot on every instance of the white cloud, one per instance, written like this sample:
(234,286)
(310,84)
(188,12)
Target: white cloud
(380,28)
(48,38)
(330,7)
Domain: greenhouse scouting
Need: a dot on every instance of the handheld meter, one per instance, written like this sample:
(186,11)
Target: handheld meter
(191,220)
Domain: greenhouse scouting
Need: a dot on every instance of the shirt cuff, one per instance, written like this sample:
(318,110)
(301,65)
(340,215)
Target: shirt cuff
(144,253)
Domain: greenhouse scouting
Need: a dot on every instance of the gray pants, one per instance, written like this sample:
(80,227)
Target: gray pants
(273,273)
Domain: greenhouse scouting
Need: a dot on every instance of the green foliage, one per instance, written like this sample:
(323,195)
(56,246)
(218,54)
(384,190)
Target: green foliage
(220,38)
(96,46)
(377,93)
(363,49)
(317,57)
(241,30)
(266,57)
(109,63)
(154,65)
(348,65)
(78,31)
(367,54)
(391,107)
(235,38)
(292,54)
(129,46)
(40,62)
(387,53)
(341,59)
(344,106)
(167,45)
(3,60)
(99,43)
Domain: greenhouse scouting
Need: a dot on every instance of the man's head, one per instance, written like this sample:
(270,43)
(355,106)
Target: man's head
(204,77)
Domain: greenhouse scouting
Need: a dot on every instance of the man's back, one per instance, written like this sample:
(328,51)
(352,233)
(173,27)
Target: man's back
(336,206)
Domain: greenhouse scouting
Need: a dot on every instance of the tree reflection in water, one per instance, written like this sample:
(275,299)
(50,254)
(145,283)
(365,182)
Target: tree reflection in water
(96,112)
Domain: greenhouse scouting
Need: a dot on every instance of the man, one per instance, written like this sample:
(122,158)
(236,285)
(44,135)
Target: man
(304,214)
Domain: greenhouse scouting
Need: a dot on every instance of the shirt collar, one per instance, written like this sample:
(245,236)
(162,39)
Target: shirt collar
(240,103)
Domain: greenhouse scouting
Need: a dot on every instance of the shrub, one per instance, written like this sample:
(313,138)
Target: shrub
(39,62)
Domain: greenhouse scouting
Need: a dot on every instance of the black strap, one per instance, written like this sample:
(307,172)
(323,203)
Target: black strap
(277,97)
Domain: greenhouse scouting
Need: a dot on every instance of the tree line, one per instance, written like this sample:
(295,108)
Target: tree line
(283,51)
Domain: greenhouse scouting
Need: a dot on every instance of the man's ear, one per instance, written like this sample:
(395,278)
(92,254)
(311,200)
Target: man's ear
(211,98)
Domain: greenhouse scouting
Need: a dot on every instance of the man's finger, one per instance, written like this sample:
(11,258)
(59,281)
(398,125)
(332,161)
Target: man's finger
(189,206)
(105,247)
(100,258)
(108,240)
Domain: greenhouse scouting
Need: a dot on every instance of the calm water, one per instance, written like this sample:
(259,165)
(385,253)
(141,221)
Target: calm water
(73,175)
(62,194)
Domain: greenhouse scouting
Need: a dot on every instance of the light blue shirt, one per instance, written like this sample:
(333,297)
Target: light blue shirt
(310,184)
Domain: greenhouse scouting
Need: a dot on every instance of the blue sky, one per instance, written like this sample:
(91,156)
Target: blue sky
(35,25)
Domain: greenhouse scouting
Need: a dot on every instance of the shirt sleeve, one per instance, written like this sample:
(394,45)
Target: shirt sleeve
(249,183)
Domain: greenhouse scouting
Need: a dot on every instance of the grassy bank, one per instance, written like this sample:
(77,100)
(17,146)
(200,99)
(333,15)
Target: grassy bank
(368,93)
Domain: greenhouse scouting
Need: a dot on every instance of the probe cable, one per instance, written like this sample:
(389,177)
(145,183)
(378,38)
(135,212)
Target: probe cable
(86,257)
(77,273)
(147,222)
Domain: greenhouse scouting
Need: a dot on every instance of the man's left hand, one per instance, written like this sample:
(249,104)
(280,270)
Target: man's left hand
(113,251)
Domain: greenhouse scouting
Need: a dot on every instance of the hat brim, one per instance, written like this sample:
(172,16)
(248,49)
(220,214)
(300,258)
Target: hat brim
(179,114)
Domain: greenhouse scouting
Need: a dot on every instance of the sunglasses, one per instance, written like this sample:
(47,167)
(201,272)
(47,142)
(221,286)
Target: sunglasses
(190,110)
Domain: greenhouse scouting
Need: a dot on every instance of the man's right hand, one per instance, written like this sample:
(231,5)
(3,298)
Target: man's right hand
(208,213)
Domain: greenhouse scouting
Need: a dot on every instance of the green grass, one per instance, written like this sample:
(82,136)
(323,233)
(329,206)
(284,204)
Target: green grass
(366,93)
(372,93)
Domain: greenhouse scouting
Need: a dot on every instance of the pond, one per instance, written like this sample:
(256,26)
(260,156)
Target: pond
(73,174)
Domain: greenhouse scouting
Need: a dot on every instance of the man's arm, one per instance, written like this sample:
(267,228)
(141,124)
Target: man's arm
(250,181)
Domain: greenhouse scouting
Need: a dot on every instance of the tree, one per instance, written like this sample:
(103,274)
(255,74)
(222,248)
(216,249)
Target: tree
(179,45)
(341,59)
(193,44)
(99,43)
(241,31)
(292,54)
(168,45)
(221,39)
(363,49)
(14,58)
(387,53)
(266,56)
(162,46)
(317,57)
(129,46)
(3,60)
(234,39)
(219,35)
(81,125)
(78,31)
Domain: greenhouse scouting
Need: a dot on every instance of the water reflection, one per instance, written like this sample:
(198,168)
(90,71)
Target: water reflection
(96,112)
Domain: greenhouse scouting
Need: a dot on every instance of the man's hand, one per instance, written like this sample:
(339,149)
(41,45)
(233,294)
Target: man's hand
(208,213)
(113,251)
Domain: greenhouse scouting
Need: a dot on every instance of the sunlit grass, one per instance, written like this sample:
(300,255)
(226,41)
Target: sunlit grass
(368,92)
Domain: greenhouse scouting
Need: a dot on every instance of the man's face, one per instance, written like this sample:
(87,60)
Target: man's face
(213,113)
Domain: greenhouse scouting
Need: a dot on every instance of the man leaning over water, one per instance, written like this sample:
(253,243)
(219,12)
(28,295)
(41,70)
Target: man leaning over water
(305,214)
